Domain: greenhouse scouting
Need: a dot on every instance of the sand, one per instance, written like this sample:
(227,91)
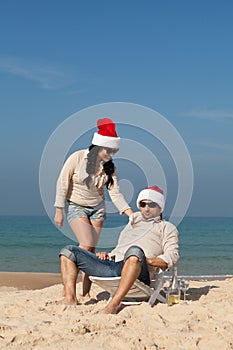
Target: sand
(31,319)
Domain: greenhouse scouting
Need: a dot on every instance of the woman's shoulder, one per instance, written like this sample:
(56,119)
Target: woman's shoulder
(75,157)
(82,153)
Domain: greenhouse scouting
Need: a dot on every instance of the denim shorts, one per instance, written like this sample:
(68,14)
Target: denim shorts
(88,262)
(75,211)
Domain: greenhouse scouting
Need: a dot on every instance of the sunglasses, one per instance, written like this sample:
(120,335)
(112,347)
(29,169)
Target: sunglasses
(111,150)
(150,204)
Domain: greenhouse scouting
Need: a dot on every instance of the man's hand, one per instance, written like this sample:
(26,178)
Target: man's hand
(157,262)
(149,261)
(102,255)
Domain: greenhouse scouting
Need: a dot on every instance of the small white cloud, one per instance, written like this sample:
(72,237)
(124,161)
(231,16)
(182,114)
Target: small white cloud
(215,115)
(48,76)
(214,145)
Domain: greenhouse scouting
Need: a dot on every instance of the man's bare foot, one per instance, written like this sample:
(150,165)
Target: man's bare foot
(64,301)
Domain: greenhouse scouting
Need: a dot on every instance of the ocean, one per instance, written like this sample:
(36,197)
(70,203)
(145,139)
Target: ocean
(32,244)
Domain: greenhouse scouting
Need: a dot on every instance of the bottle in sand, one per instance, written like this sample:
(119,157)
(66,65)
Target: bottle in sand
(174,289)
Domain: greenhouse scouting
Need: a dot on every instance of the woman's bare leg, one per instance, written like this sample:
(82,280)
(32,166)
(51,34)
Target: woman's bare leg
(87,233)
(96,229)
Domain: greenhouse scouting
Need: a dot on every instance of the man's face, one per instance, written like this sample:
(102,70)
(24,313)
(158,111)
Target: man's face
(149,209)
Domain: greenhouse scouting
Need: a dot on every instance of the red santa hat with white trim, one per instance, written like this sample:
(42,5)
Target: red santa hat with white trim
(106,135)
(154,194)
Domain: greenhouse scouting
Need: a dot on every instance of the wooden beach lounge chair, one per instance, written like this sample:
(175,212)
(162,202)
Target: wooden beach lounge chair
(139,291)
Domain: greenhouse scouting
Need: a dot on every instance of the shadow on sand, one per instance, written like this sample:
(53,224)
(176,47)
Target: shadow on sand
(196,293)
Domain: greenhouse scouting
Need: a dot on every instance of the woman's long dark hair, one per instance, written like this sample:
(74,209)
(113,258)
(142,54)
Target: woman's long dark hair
(109,166)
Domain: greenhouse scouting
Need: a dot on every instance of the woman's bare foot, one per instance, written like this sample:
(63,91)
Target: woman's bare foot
(64,301)
(87,296)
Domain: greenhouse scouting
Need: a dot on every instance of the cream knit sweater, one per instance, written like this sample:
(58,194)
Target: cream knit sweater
(71,185)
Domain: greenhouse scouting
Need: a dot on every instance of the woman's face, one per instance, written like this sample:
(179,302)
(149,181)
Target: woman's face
(105,154)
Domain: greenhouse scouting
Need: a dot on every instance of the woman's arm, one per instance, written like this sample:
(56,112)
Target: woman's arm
(118,198)
(59,217)
(64,179)
(63,183)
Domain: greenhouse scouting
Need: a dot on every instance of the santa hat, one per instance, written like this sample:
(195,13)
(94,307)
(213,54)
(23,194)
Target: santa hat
(154,194)
(106,135)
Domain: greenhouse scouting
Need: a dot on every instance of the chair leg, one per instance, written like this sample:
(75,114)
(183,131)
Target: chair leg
(162,299)
(156,292)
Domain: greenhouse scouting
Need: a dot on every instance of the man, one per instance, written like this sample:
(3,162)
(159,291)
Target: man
(145,244)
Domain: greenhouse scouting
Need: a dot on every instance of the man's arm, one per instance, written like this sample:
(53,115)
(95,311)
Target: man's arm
(157,262)
(170,245)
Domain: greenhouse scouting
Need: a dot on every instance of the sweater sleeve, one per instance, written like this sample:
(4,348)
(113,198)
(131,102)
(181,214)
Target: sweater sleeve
(170,245)
(64,180)
(116,196)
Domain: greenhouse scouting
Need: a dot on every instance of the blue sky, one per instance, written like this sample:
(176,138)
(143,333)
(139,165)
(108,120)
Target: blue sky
(58,57)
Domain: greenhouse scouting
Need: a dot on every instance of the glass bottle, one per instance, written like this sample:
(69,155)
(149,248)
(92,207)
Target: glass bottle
(174,289)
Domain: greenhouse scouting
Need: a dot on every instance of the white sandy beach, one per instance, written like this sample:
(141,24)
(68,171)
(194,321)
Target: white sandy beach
(31,319)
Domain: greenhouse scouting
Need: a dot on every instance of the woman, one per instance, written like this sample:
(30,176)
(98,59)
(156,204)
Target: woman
(80,189)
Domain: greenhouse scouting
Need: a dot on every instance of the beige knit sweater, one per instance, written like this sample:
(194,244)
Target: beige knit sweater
(71,185)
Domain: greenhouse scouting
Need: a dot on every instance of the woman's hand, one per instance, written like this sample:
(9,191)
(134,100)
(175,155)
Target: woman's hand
(59,217)
(128,212)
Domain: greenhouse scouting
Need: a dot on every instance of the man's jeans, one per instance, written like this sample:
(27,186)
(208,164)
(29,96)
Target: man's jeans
(89,263)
